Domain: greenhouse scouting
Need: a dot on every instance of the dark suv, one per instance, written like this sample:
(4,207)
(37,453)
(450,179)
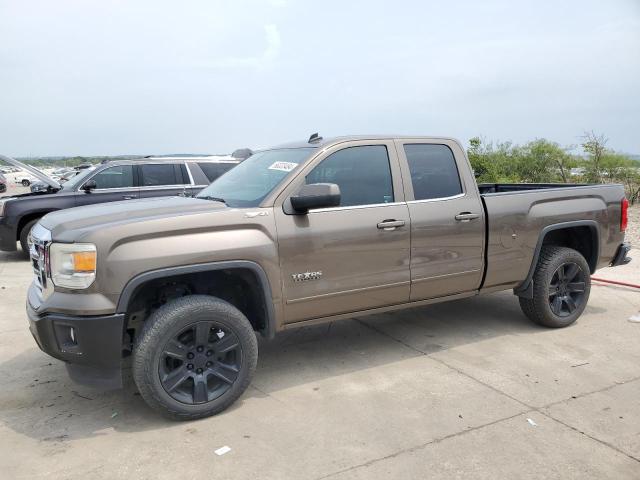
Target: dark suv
(108,182)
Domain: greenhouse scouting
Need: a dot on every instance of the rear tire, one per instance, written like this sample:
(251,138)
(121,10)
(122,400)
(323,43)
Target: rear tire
(561,287)
(25,183)
(24,237)
(194,357)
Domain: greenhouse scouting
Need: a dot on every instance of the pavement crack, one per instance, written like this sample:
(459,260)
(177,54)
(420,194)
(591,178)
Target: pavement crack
(420,446)
(442,362)
(539,410)
(586,394)
(595,439)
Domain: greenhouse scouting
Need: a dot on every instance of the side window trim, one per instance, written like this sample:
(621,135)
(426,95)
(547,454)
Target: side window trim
(437,199)
(187,165)
(355,207)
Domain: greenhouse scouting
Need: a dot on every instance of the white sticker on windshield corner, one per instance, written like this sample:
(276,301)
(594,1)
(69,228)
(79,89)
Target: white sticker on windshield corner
(283,166)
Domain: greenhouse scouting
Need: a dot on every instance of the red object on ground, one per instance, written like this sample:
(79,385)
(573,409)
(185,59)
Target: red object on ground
(615,282)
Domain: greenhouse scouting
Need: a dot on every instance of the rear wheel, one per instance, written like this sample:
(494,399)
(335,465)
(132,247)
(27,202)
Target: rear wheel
(561,287)
(25,183)
(25,237)
(195,356)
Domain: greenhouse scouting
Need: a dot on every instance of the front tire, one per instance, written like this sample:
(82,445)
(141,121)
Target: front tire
(25,183)
(195,356)
(561,287)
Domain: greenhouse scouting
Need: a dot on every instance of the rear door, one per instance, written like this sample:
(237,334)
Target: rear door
(113,184)
(447,218)
(352,257)
(163,180)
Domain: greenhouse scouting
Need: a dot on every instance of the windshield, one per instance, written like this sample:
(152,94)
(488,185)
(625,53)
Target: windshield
(251,181)
(77,180)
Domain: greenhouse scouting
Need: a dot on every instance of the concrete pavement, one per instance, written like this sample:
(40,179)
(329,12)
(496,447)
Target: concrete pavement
(454,390)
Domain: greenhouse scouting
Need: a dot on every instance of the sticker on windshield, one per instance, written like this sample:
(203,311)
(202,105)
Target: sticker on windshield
(283,166)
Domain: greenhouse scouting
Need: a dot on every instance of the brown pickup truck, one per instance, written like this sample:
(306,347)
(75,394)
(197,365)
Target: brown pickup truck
(296,235)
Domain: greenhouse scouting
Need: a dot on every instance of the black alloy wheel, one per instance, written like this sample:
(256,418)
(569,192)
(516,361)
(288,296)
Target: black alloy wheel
(194,357)
(561,287)
(566,290)
(200,363)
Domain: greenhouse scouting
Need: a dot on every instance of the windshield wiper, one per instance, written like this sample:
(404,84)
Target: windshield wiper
(214,199)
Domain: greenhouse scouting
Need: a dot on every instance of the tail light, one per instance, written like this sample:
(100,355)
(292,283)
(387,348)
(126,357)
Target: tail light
(624,217)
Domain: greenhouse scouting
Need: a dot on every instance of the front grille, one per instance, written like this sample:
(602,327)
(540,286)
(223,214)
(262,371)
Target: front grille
(40,239)
(37,261)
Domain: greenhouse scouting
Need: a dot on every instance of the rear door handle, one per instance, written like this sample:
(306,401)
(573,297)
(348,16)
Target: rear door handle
(389,225)
(128,197)
(466,216)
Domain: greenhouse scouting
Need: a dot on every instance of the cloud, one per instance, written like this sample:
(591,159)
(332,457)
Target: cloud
(273,43)
(269,55)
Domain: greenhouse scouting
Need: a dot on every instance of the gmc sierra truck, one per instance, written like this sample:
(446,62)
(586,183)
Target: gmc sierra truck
(296,235)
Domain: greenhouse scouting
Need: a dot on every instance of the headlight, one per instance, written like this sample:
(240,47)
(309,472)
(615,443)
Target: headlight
(73,265)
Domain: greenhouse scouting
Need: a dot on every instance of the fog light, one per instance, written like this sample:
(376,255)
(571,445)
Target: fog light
(72,335)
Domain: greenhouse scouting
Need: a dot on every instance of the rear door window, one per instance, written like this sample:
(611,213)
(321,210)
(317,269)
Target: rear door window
(152,175)
(363,174)
(434,173)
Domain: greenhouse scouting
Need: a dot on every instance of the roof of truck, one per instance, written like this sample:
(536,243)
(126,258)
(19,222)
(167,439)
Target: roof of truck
(323,142)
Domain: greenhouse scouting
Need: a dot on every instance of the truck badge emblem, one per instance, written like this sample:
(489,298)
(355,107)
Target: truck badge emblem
(306,276)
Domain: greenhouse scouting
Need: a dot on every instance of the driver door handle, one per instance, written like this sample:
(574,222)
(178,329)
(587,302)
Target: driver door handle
(466,216)
(390,224)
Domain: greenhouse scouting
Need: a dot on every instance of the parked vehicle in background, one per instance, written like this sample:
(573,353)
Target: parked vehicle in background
(65,177)
(109,182)
(24,179)
(296,235)
(59,173)
(3,183)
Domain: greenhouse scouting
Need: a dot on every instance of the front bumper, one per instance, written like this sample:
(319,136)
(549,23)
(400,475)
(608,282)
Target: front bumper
(91,346)
(621,255)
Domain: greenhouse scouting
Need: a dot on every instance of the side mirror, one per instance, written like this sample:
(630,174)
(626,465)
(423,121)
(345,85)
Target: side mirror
(316,195)
(89,185)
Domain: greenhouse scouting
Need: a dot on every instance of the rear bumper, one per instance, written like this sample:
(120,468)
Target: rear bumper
(91,346)
(621,255)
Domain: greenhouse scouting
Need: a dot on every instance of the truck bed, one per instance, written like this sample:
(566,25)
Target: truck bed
(517,215)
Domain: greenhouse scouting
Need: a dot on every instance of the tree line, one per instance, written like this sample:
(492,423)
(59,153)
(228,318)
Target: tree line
(544,161)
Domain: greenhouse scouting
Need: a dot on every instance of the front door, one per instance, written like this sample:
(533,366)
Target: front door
(355,256)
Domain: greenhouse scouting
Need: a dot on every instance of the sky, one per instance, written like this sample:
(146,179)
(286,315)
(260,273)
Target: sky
(108,77)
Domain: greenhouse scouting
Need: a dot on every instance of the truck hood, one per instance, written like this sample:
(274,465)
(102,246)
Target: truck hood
(102,215)
(32,170)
